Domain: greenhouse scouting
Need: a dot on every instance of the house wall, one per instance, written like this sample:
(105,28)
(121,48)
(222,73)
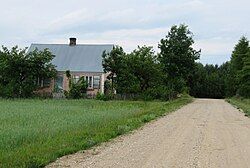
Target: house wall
(90,91)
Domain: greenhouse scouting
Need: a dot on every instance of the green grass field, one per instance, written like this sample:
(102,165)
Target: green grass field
(243,104)
(34,133)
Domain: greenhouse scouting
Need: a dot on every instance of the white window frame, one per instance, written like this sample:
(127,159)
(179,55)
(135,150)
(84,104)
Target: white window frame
(99,84)
(76,78)
(91,86)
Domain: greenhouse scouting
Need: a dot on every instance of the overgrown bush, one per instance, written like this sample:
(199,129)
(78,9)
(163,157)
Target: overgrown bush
(159,93)
(22,72)
(78,89)
(104,97)
(244,91)
(108,87)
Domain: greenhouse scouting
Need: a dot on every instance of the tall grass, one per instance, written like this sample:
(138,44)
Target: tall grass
(35,132)
(241,103)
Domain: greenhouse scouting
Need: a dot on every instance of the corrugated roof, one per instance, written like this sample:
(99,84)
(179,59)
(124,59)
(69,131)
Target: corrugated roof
(87,58)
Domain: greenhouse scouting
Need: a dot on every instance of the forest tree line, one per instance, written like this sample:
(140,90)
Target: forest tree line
(175,70)
(229,79)
(142,72)
(154,76)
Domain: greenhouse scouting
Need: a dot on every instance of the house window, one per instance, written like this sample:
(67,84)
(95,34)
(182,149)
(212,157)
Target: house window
(76,79)
(59,83)
(96,83)
(43,82)
(89,81)
(46,82)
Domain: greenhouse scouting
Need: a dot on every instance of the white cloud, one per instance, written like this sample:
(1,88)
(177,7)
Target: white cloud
(128,38)
(215,50)
(217,25)
(141,16)
(215,46)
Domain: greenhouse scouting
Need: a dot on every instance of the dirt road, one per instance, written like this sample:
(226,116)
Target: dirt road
(205,133)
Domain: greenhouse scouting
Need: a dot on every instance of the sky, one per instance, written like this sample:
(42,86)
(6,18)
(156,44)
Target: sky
(217,25)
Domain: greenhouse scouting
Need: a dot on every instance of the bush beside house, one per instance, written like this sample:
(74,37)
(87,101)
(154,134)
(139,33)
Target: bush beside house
(22,73)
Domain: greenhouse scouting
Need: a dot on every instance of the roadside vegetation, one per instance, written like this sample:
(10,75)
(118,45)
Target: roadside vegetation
(36,132)
(243,104)
(175,70)
(230,79)
(22,73)
(150,75)
(140,74)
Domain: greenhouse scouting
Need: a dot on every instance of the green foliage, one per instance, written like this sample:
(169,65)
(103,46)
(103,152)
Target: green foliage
(104,97)
(68,74)
(244,78)
(138,72)
(77,90)
(237,62)
(108,87)
(20,71)
(150,75)
(37,132)
(208,81)
(142,64)
(240,52)
(230,79)
(241,103)
(174,70)
(178,56)
(113,63)
(160,92)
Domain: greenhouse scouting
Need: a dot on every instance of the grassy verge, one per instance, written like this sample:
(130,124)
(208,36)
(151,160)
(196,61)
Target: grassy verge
(34,133)
(243,104)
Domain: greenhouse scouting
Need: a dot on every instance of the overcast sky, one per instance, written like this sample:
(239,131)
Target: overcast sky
(216,24)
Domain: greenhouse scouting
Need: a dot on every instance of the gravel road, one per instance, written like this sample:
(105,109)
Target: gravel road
(205,133)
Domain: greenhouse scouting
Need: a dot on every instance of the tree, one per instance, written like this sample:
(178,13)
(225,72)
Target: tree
(20,72)
(138,73)
(197,81)
(177,55)
(240,52)
(237,61)
(244,87)
(113,63)
(143,64)
(208,81)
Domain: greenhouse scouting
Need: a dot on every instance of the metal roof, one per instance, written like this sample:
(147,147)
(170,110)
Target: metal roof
(80,58)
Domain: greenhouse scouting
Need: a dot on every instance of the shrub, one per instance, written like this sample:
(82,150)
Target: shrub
(21,73)
(244,91)
(78,90)
(104,97)
(107,87)
(159,92)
